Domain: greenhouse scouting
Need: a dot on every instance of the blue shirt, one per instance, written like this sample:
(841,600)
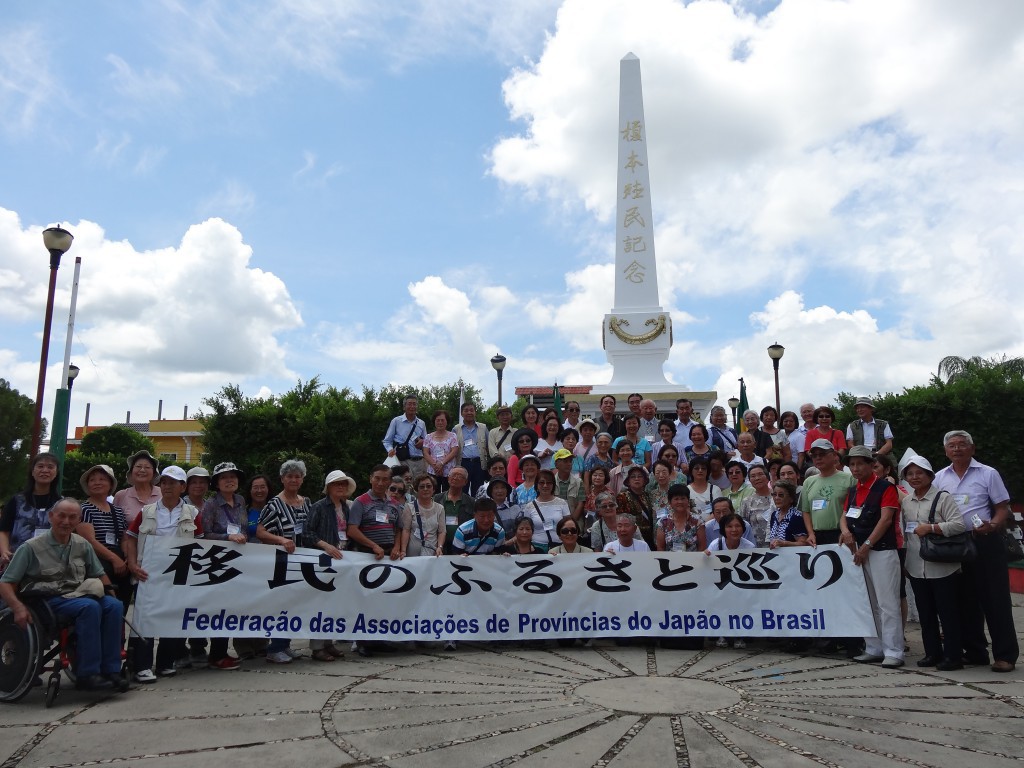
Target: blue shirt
(468,539)
(399,431)
(471,450)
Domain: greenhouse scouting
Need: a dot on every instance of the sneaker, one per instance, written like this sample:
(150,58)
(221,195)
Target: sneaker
(891,662)
(183,663)
(168,672)
(144,677)
(228,662)
(449,645)
(867,658)
(739,644)
(293,653)
(721,643)
(279,657)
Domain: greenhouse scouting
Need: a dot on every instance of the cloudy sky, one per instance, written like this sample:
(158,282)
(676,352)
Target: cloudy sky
(393,192)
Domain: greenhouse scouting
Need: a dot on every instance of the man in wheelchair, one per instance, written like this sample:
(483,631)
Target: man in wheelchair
(62,568)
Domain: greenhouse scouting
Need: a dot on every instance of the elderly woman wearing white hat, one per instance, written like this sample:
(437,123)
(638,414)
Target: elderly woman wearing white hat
(325,529)
(930,512)
(103,526)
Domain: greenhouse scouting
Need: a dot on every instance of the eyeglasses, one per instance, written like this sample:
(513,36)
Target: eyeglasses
(573,410)
(544,482)
(568,532)
(396,489)
(608,505)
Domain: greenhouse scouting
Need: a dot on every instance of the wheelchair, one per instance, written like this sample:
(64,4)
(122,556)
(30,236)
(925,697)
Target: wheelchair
(47,644)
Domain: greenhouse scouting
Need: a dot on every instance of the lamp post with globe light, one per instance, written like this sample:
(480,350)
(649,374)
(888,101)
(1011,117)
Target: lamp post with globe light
(775,352)
(57,241)
(498,364)
(734,403)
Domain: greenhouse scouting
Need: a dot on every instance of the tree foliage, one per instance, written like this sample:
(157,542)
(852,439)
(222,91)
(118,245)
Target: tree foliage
(16,414)
(986,398)
(953,369)
(326,427)
(116,439)
(111,446)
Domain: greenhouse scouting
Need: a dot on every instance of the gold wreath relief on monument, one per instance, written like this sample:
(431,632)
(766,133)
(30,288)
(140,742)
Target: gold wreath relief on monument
(616,325)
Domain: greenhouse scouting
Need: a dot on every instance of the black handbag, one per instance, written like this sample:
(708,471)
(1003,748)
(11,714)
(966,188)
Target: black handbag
(936,548)
(402,452)
(1014,552)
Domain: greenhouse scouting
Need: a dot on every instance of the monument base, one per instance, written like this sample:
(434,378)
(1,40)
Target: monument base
(637,345)
(589,397)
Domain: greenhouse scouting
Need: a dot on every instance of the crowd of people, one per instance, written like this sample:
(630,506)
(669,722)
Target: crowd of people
(550,483)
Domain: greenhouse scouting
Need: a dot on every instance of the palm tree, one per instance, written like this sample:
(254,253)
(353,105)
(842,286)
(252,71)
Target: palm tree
(953,368)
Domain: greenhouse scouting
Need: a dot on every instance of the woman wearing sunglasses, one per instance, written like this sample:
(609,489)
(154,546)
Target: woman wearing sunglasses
(568,531)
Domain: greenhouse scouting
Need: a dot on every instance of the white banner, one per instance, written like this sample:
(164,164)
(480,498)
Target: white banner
(202,588)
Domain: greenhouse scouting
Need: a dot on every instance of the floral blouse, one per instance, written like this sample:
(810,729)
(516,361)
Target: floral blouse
(679,539)
(438,449)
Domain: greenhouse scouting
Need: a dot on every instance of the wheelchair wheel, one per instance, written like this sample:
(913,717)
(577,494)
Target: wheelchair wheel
(52,690)
(20,656)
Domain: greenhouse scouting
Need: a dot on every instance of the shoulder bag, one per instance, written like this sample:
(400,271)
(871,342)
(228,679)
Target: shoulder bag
(936,548)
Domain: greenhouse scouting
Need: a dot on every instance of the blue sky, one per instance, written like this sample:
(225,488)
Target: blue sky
(394,193)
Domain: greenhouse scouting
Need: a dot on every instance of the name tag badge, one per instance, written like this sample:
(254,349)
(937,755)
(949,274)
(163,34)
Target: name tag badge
(818,504)
(649,438)
(961,500)
(39,532)
(342,534)
(381,516)
(451,519)
(854,512)
(110,539)
(662,513)
(470,442)
(233,529)
(549,525)
(298,529)
(912,527)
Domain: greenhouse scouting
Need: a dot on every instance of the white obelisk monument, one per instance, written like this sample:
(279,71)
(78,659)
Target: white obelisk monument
(637,333)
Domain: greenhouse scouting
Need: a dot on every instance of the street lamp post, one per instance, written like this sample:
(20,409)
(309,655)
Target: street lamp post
(775,352)
(57,241)
(61,416)
(498,364)
(734,403)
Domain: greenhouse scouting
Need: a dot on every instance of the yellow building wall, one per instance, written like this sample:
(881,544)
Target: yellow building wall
(172,437)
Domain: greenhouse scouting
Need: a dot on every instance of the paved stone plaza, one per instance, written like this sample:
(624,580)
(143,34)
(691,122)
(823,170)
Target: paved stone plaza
(495,706)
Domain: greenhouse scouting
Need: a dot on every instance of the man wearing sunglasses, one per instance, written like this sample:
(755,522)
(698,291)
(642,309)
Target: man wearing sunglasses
(571,409)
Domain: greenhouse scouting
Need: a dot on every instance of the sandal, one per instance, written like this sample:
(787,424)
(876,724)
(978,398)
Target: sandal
(334,651)
(322,654)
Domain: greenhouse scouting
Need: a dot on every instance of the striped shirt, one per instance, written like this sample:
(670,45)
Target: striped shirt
(468,539)
(109,526)
(280,519)
(376,518)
